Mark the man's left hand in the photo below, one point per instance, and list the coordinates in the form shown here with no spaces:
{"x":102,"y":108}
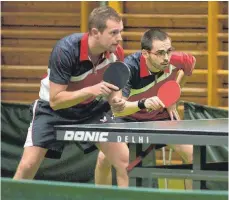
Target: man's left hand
{"x":117,"y":104}
{"x":172,"y":110}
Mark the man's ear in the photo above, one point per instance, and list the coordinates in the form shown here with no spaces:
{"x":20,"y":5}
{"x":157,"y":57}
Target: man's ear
{"x":145,"y":54}
{"x":95,"y":32}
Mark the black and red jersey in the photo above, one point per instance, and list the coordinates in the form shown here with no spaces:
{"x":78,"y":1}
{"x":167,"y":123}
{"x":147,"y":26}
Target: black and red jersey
{"x":144,"y":84}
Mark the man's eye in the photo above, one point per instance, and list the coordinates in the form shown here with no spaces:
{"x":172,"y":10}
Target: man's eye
{"x":114,"y":32}
{"x":169,"y":51}
{"x":161,"y":53}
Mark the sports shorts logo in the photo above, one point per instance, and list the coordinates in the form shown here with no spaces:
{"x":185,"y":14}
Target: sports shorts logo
{"x":86,"y":136}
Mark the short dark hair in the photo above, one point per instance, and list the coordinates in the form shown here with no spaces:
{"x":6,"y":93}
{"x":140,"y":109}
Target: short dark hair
{"x":150,"y":35}
{"x":99,"y":16}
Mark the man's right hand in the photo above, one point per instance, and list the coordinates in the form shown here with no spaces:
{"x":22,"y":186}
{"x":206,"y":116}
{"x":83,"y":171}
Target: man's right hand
{"x":103,"y":89}
{"x":153,"y":103}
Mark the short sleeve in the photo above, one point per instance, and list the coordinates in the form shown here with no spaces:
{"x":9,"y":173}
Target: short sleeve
{"x":127,"y":89}
{"x":60,"y":65}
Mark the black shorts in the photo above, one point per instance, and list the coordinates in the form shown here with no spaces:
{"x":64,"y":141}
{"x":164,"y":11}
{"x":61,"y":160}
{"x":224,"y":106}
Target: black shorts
{"x":41,"y":131}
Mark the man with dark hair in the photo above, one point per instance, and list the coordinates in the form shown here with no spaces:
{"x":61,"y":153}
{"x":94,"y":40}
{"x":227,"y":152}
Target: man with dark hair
{"x":73,"y":92}
{"x":156,"y":64}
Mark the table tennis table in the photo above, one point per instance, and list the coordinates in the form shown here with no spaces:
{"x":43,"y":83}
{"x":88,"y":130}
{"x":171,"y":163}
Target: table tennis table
{"x":199,"y":133}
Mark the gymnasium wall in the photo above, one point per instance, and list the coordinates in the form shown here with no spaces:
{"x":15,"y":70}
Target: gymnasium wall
{"x":30,"y":30}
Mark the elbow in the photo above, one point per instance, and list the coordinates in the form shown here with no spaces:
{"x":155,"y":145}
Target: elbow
{"x":53,"y":105}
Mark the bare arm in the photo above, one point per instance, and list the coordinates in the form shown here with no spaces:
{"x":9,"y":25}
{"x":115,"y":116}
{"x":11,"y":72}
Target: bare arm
{"x":60,"y":98}
{"x":153,"y":103}
{"x":186,"y":63}
{"x":181,"y":78}
{"x":130,"y":108}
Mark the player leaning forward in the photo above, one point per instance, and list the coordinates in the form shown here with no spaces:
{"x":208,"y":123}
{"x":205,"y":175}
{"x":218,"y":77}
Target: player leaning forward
{"x":156,"y":64}
{"x":73,"y":91}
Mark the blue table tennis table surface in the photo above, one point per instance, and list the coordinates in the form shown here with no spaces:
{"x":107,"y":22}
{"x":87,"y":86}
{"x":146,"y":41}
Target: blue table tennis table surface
{"x":203,"y":126}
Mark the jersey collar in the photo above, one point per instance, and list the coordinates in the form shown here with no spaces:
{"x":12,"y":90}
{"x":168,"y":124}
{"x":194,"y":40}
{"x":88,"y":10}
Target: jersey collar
{"x":84,"y":49}
{"x":144,"y":69}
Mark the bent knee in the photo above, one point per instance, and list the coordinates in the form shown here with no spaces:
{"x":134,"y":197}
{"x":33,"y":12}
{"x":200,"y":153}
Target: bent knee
{"x":122,"y":162}
{"x":121,"y":165}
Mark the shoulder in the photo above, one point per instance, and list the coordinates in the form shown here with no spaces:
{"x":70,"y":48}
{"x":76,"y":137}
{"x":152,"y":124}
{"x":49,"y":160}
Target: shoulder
{"x":67,"y":49}
{"x":133,"y":60}
{"x":70,"y":43}
{"x":70,"y":40}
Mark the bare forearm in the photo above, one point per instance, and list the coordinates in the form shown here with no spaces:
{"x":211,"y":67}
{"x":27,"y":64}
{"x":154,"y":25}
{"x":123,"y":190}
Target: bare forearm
{"x":181,"y":78}
{"x":66,"y":99}
{"x":130,"y":108}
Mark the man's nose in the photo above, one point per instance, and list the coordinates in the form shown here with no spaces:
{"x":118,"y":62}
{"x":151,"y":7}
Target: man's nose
{"x":166,"y":57}
{"x":119,"y":37}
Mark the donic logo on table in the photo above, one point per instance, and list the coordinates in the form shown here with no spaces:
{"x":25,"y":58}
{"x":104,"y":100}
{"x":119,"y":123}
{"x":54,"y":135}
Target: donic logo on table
{"x":86,"y":136}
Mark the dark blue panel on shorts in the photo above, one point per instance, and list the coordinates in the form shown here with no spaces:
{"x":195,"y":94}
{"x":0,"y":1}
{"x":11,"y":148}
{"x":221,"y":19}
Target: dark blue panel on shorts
{"x":45,"y":118}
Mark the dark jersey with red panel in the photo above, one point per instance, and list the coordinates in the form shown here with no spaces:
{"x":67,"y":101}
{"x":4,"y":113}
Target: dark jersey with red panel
{"x":70,"y":65}
{"x":144,"y":84}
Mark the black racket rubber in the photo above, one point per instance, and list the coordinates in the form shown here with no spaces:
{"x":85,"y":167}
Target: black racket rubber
{"x":117,"y":74}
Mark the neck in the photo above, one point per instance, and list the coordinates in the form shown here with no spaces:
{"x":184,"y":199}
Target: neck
{"x":93,"y":48}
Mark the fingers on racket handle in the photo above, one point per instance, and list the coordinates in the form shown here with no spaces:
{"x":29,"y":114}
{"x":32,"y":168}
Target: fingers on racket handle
{"x":161,"y":103}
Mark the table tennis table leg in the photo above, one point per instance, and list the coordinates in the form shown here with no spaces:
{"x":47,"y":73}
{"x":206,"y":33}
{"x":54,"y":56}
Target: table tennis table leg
{"x":137,"y":152}
{"x":114,"y":179}
{"x":152,"y":181}
{"x":199,"y":161}
{"x":133,"y":153}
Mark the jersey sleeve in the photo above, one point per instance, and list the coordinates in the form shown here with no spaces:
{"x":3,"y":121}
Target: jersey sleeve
{"x":60,"y":65}
{"x":127,"y":89}
{"x":183,"y":61}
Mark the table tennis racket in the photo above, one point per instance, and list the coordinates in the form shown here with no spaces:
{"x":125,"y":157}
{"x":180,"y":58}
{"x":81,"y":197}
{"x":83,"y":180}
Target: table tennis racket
{"x":117,"y":74}
{"x":169,"y":93}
